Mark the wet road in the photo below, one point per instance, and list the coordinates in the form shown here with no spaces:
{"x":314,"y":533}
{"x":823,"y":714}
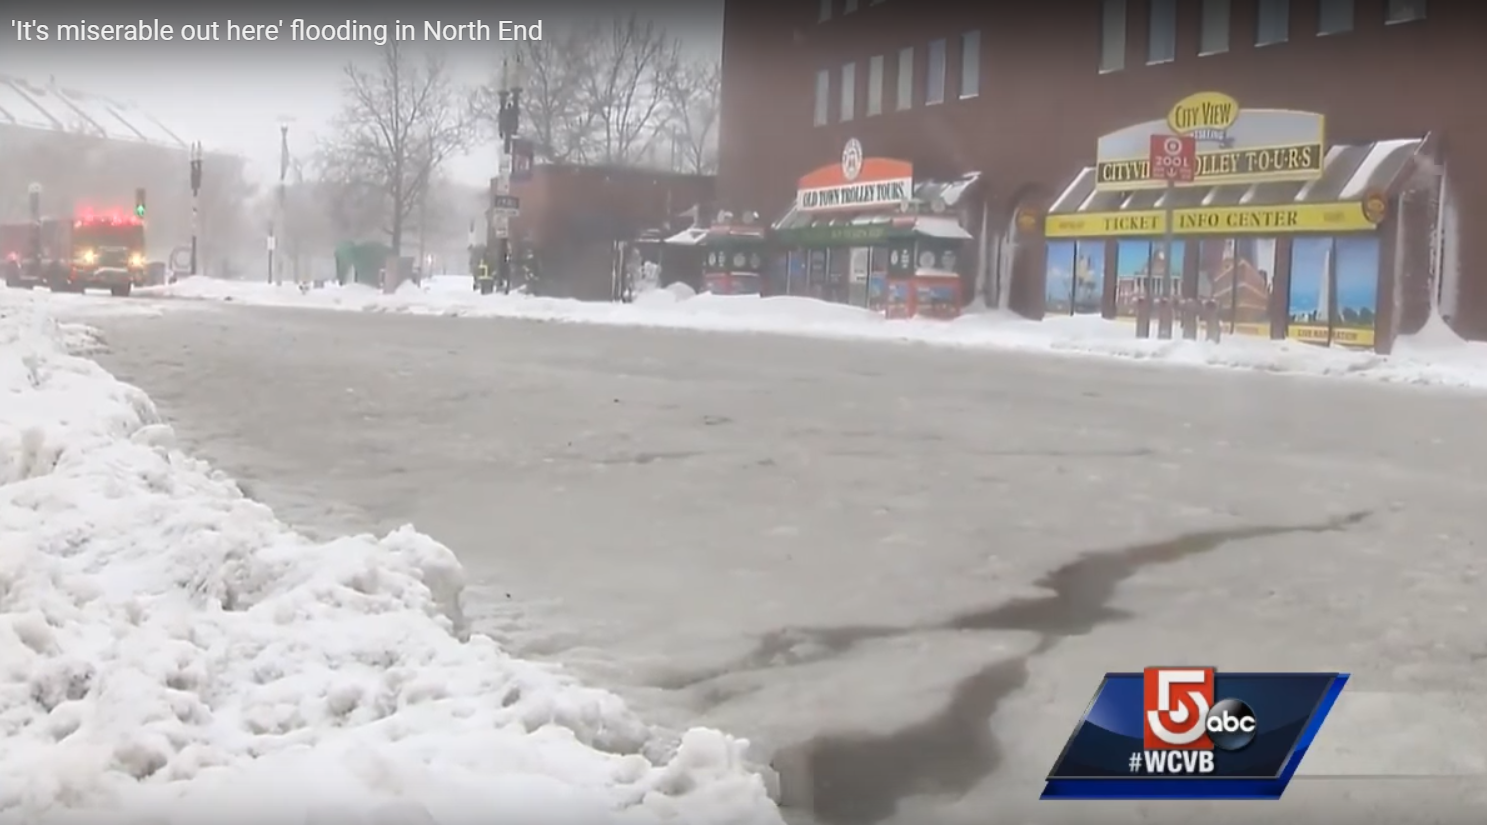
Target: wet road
{"x":900,"y":569}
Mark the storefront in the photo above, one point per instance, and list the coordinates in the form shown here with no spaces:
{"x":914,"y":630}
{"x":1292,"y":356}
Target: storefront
{"x":862,"y":232}
{"x":1285,"y":236}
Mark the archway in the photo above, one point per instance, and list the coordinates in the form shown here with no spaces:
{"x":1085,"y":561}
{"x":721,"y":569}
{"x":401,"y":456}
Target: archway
{"x":1013,"y":249}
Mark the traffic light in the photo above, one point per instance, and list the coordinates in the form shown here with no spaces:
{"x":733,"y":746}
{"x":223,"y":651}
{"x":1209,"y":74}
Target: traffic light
{"x":139,"y":203}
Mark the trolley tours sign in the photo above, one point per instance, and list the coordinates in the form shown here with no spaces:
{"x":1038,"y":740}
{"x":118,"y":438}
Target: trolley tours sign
{"x":856,"y":182}
{"x":1235,"y":145}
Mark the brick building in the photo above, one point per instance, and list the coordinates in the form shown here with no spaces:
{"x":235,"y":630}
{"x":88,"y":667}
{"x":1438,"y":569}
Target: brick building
{"x":1024,"y":95}
{"x":575,"y":215}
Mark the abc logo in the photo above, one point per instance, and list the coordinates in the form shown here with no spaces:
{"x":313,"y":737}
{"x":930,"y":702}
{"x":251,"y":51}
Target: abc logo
{"x":1231,"y":725}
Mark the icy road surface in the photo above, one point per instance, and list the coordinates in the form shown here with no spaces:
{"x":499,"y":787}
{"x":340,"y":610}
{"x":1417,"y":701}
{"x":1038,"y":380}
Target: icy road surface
{"x":904,"y":568}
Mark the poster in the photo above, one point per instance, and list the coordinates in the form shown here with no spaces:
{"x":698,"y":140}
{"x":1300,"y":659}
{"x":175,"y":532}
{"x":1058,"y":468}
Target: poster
{"x":1239,"y":271}
{"x":1089,"y":277}
{"x":1356,"y":275}
{"x":1132,"y":259}
{"x":1311,"y":302}
{"x":1058,"y":297}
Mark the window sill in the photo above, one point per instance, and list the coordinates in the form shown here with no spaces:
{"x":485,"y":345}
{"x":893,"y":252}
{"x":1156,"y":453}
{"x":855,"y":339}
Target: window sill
{"x":1334,"y":32}
{"x":1112,"y":71}
{"x":934,"y":103}
{"x":1164,"y":60}
{"x":971,"y":96}
{"x":1214,"y":52}
{"x":1259,"y":45}
{"x":1404,"y":20}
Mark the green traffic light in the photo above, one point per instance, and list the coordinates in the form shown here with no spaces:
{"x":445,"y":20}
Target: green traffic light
{"x":140,"y":210}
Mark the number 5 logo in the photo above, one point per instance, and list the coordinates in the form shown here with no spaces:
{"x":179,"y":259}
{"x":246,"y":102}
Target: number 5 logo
{"x":1176,"y":703}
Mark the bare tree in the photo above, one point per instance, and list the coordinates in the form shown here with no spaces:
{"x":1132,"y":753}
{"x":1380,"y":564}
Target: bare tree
{"x":594,"y":93}
{"x":693,"y":105}
{"x":399,"y":123}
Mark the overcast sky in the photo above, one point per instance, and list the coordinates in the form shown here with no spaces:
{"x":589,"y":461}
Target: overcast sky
{"x":233,"y":96}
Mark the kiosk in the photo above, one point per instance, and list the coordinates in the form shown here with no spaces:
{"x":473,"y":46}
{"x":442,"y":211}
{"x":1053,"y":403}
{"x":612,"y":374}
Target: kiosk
{"x":862,"y":232}
{"x":732,"y":255}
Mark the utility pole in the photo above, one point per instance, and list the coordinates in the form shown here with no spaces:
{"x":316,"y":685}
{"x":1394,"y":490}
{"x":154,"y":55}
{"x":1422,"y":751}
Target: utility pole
{"x":508,"y":121}
{"x":195,"y":200}
{"x":276,"y":267}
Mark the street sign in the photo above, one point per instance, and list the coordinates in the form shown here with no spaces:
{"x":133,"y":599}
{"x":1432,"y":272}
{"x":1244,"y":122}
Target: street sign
{"x":1173,"y":158}
{"x":505,"y":204}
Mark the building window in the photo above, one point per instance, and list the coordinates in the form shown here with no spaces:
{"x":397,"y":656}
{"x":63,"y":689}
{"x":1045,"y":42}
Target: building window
{"x":823,"y":96}
{"x":1404,"y":11}
{"x":905,"y":78}
{"x":1113,"y":36}
{"x":934,"y":86}
{"x":1161,"y":45}
{"x":875,"y":2}
{"x":849,"y":92}
{"x":849,"y":6}
{"x":1213,"y":38}
{"x":1274,"y":22}
{"x":970,"y":64}
{"x":1335,"y":17}
{"x":875,"y":86}
{"x":825,"y":10}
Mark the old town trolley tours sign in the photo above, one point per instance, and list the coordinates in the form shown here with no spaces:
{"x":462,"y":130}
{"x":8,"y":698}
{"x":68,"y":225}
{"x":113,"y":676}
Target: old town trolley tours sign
{"x":1256,"y":235}
{"x":856,"y":183}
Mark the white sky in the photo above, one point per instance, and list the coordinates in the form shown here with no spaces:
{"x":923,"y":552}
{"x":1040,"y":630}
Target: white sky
{"x":237,"y":104}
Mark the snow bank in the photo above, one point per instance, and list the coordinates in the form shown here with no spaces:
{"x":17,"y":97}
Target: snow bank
{"x":169,"y":649}
{"x":1433,"y":358}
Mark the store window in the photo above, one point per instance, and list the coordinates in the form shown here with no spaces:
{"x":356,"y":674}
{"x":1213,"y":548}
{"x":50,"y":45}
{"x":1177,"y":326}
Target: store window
{"x":1161,"y":41}
{"x":1113,"y":36}
{"x":1335,"y":17}
{"x":970,"y":64}
{"x":934,"y":90}
{"x":1075,"y":277}
{"x":1404,"y":11}
{"x":905,"y":78}
{"x":849,"y":92}
{"x":1273,"y":24}
{"x":1213,"y":37}
{"x":823,"y":97}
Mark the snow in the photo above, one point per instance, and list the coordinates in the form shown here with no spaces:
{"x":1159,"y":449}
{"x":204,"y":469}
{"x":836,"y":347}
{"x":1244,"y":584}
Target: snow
{"x":168,"y":648}
{"x":1427,"y":361}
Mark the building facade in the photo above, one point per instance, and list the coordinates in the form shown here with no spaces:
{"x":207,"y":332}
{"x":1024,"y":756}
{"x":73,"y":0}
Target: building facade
{"x":1026,"y":95}
{"x":575,"y":217}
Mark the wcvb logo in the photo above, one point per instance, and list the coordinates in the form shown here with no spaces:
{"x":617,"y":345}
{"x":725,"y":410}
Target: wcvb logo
{"x":1176,"y":702}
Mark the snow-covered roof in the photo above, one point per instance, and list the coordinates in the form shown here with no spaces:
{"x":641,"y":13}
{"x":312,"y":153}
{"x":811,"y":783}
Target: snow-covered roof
{"x":53,"y":107}
{"x":690,"y":236}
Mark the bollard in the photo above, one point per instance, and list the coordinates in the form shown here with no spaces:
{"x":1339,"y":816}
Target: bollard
{"x":1143,"y":317}
{"x":1212,"y":328}
{"x":1189,"y":319}
{"x":1164,"y":318}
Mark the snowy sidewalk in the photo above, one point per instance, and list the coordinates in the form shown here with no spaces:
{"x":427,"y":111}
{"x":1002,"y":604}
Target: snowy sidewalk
{"x":1436,"y":357}
{"x":168,"y":648}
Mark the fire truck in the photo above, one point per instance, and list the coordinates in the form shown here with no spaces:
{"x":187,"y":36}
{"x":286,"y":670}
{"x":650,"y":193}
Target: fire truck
{"x":87,"y":252}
